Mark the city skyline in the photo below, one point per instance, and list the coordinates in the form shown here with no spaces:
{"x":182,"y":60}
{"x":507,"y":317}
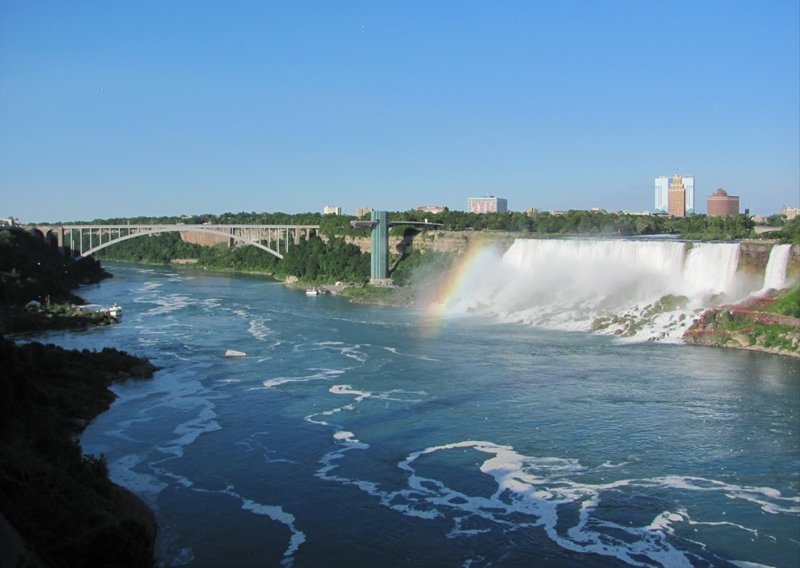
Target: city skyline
{"x":158,"y":109}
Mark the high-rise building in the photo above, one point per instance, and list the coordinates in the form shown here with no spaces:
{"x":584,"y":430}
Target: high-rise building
{"x":720,"y":204}
{"x":662,"y":187}
{"x":331,"y":210}
{"x":487,"y":204}
{"x":674,"y":195}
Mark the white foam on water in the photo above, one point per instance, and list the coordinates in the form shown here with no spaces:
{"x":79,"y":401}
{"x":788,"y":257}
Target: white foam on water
{"x":273,"y":512}
{"x":540,"y":489}
{"x":318,"y":375}
{"x":145,"y":485}
{"x":170,"y":303}
{"x":259,"y":329}
{"x":610,"y":465}
{"x":348,"y":390}
{"x":192,"y":429}
{"x":354,"y":352}
{"x":276,"y":513}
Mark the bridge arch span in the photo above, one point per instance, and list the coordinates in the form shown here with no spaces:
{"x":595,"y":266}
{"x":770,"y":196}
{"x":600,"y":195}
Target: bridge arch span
{"x":179,"y":229}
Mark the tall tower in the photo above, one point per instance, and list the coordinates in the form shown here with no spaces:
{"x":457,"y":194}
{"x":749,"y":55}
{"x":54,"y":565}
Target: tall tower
{"x":677,"y":197}
{"x":380,"y":246}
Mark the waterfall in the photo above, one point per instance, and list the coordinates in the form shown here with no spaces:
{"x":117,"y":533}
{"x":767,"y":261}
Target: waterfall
{"x":641,"y":289}
{"x":712,"y":266}
{"x":777,"y":267}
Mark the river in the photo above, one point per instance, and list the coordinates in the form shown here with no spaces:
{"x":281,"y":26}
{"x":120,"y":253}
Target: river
{"x":356,"y":435}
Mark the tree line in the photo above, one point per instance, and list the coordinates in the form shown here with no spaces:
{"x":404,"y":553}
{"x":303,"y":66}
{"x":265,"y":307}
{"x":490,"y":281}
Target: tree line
{"x":312,"y":260}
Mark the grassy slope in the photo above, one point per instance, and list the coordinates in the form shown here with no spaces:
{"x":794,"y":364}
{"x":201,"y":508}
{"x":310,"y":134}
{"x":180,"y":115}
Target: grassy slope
{"x":773,"y":328}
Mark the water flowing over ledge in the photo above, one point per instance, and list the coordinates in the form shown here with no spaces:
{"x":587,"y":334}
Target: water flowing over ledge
{"x":637,"y":289}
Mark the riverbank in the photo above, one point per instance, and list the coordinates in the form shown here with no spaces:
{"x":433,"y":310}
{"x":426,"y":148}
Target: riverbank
{"x":58,"y":507}
{"x":19,"y":319}
{"x":61,"y":503}
{"x":766,"y":325}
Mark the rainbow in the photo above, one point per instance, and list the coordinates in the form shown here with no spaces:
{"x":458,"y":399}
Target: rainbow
{"x":462,"y":277}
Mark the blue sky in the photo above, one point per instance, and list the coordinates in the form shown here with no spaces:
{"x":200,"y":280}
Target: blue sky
{"x":169,"y":107}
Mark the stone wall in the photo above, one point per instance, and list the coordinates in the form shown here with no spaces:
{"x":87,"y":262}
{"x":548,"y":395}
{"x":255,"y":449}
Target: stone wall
{"x":753,"y":256}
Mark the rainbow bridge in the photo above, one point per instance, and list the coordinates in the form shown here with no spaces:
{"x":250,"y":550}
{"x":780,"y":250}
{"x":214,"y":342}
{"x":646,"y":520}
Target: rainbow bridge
{"x":85,"y":240}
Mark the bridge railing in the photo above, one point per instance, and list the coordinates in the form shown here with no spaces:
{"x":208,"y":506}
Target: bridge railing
{"x":86,"y":239}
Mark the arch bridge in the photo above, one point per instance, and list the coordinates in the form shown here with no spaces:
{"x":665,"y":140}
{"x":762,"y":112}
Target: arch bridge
{"x":88,"y":239}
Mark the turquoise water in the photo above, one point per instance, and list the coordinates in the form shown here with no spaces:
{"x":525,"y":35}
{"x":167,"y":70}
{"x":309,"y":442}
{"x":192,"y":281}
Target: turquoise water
{"x":365,"y":436}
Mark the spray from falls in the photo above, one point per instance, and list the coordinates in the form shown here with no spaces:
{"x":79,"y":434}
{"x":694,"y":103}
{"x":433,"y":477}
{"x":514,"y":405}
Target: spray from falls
{"x":638,"y":289}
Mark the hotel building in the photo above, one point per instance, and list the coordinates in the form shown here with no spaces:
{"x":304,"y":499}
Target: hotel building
{"x":487,"y":204}
{"x":721,"y":204}
{"x":790,"y":212}
{"x":674,"y":195}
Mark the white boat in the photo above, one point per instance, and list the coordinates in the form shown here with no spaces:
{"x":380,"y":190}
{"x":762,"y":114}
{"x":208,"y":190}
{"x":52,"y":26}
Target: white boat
{"x":313,"y":292}
{"x":234,"y":353}
{"x":114,"y":311}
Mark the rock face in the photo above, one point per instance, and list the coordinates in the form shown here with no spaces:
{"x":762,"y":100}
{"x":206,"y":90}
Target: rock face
{"x":204,"y":239}
{"x":746,"y":327}
{"x":441,"y":241}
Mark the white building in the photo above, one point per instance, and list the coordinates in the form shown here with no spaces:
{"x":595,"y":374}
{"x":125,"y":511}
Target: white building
{"x":688,"y":186}
{"x":331,"y":210}
{"x":487,"y":204}
{"x":790,"y":212}
{"x":662,"y":191}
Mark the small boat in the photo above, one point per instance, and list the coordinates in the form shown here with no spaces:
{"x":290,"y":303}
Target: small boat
{"x":114,"y":311}
{"x":234,"y":353}
{"x":313,"y":292}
